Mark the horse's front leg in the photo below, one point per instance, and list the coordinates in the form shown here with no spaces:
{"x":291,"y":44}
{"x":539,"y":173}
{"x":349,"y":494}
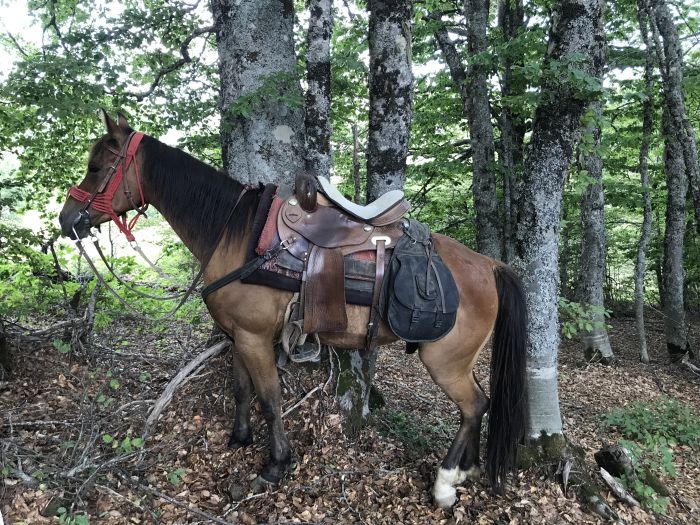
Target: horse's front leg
{"x":241,"y":435}
{"x":258,"y":356}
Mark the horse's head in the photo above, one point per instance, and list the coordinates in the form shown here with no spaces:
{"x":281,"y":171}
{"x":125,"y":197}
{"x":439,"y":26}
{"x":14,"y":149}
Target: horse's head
{"x":111,"y":186}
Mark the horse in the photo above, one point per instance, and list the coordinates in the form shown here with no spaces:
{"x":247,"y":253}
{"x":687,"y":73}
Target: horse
{"x":211,"y":213}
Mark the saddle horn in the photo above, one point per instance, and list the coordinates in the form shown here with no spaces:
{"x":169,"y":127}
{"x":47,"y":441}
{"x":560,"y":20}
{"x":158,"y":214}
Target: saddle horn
{"x":305,"y":190}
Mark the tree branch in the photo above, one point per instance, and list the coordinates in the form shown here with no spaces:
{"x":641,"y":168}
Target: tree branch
{"x":186,"y":58}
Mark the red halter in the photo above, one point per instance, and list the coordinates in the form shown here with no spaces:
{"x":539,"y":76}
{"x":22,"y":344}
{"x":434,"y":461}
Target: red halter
{"x":101,"y":198}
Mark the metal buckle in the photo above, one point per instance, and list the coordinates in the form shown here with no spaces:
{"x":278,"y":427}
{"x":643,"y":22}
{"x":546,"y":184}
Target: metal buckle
{"x":286,"y":243}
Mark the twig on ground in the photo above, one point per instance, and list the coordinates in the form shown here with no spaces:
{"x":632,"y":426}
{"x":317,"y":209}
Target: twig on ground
{"x":301,"y":402}
{"x":189,"y":507}
{"x":618,"y":489}
{"x":180,"y":379}
{"x":690,"y":366}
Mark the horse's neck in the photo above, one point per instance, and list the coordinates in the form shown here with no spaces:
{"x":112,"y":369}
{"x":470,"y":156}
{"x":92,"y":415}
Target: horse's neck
{"x":153,"y":195}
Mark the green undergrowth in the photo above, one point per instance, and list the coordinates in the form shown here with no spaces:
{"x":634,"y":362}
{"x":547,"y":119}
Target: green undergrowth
{"x":419,"y":437}
{"x":651,"y":432}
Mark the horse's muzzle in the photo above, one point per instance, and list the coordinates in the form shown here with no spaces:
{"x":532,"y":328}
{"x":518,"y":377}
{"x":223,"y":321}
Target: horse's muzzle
{"x":77,"y":226}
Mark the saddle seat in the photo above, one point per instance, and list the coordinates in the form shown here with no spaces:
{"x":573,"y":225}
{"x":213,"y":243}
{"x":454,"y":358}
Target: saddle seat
{"x":387,"y":208}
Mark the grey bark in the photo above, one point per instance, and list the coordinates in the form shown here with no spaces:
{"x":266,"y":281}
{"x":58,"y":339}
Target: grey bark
{"x":357,"y":183}
{"x":511,"y":21}
{"x":556,"y":130}
{"x":645,"y":234}
{"x":390,"y":99}
{"x":488,"y":228}
{"x":674,"y":236}
{"x":262,"y":134}
{"x":473,"y":90}
{"x":318,"y":95}
{"x":5,"y":356}
{"x":354,"y":387}
{"x":592,"y":269}
{"x":592,"y":274}
{"x":390,"y":95}
{"x":670,"y":56}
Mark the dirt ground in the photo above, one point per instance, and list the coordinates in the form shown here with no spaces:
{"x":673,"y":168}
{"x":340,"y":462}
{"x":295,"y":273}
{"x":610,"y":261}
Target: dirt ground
{"x":65,"y":419}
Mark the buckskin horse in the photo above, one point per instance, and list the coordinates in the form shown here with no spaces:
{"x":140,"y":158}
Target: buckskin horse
{"x":212,"y":213}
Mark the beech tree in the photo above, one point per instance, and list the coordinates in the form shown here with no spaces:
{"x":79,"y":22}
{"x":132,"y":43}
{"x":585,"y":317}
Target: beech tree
{"x":511,"y":22}
{"x":488,"y":223}
{"x":645,"y":234}
{"x":262,"y":135}
{"x":318,"y":95}
{"x":390,"y":95}
{"x":556,"y":131}
{"x":670,"y":57}
{"x":472,"y":85}
{"x":592,"y":274}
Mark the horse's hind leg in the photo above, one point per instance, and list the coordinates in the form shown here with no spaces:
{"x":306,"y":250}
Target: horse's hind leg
{"x":451,"y":371}
{"x":241,"y":435}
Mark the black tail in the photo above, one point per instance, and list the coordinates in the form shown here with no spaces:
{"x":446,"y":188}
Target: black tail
{"x":508,"y":409}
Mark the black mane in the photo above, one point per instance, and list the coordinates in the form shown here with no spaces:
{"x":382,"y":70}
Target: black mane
{"x":197,"y":196}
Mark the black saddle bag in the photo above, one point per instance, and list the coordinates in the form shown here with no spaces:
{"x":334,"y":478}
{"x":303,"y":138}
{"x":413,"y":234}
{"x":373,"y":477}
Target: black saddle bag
{"x":420,"y":297}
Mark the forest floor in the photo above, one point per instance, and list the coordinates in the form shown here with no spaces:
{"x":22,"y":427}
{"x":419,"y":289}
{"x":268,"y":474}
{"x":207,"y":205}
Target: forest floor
{"x":64,"y":420}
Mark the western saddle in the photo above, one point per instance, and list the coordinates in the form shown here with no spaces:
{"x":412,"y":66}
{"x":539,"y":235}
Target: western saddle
{"x":320,"y":230}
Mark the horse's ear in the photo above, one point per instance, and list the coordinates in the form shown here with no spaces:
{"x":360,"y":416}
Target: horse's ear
{"x":121,"y":121}
{"x":110,"y":126}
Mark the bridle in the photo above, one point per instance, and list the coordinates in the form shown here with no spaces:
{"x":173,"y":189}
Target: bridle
{"x":101,"y":198}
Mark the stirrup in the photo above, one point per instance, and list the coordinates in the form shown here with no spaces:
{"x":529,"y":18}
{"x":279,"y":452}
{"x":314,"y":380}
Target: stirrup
{"x":307,"y":351}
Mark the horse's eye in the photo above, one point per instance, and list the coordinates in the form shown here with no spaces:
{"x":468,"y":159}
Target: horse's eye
{"x":92,"y":168}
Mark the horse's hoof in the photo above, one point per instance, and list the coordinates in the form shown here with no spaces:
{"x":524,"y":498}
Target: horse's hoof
{"x":260,"y":484}
{"x":444,"y":492}
{"x":235,"y":443}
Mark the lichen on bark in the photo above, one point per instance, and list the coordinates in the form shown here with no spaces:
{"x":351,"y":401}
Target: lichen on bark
{"x":262,"y":132}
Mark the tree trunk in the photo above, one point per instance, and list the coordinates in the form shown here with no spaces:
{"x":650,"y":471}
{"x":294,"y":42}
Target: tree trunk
{"x":565,"y":288}
{"x":511,"y":21}
{"x":474,"y":93}
{"x":488,"y":230}
{"x":390,"y":95}
{"x":555,"y":132}
{"x":354,"y":387}
{"x":5,"y":357}
{"x":645,"y":235}
{"x":318,"y":95}
{"x":262,"y":124}
{"x":674,"y":236}
{"x":670,"y":56}
{"x":390,"y":98}
{"x":592,"y":276}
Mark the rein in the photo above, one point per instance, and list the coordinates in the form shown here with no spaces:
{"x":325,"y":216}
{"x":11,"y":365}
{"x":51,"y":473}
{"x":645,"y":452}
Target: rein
{"x":101,"y":198}
{"x":205,"y":262}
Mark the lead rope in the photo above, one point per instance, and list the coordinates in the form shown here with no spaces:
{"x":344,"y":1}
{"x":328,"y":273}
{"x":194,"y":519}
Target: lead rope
{"x":128,"y":286}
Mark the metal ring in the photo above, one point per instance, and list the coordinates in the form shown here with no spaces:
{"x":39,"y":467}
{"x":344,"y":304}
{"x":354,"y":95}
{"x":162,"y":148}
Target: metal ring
{"x":376,"y":238}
